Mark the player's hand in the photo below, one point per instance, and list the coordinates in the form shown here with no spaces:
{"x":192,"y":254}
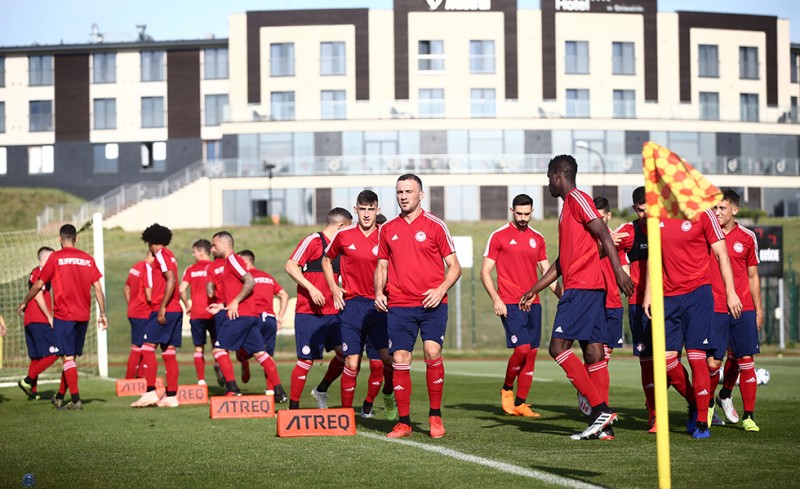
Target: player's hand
{"x":381,"y":303}
{"x":624,"y":281}
{"x":500,"y":308}
{"x":279,"y":323}
{"x":233,"y":309}
{"x":215,"y":308}
{"x":759,"y":319}
{"x":526,"y":300}
{"x":102,"y":322}
{"x":21,"y":310}
{"x":734,"y":306}
{"x":316,"y":296}
{"x":646,"y":306}
{"x":162,"y":316}
{"x":50,"y":321}
{"x":432,"y":298}
{"x":338,"y":298}
{"x":617,"y":237}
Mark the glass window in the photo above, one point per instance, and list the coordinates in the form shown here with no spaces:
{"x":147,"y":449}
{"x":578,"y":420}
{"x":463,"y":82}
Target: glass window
{"x":709,"y":106}
{"x":282,"y":106}
{"x":748,"y":63}
{"x":40,"y":160}
{"x":281,"y":59}
{"x":216,"y":109}
{"x":431,"y":102}
{"x":152,"y":65}
{"x":2,"y":71}
{"x":3,"y":161}
{"x":154,"y":156}
{"x":40,"y":70}
{"x":577,"y":57}
{"x":748,"y":107}
{"x":106,"y":158}
{"x":152,"y":112}
{"x":41,"y":115}
{"x":2,"y":117}
{"x":104,"y":68}
{"x":624,"y":58}
{"x":482,"y":102}
{"x":105,"y":113}
{"x":624,"y":104}
{"x":332,"y":58}
{"x":430,"y":56}
{"x":215,"y":64}
{"x":708,"y":61}
{"x":481,"y":57}
{"x":333,"y":104}
{"x":577,"y":102}
{"x":793,"y":67}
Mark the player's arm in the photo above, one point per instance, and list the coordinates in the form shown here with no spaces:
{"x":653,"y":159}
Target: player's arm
{"x":755,"y":290}
{"x":43,"y":306}
{"x":283,"y":297}
{"x":547,"y":278}
{"x":2,"y":325}
{"x":600,"y":231}
{"x":183,"y":290}
{"x":295,"y":272}
{"x":330,"y":277}
{"x":126,"y":292}
{"x":169,"y":291}
{"x":555,"y":286}
{"x":381,"y":275}
{"x":248,"y":282}
{"x":102,"y":322}
{"x":721,"y":253}
{"x":486,"y":279}
{"x":35,"y":289}
{"x":433,"y":297}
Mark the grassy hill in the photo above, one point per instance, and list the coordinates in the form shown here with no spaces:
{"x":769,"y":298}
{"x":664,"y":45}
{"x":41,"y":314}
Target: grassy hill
{"x":21,"y":205}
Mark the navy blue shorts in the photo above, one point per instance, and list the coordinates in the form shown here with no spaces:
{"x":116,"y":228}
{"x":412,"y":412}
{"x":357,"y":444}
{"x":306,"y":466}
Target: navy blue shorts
{"x":743,"y":335}
{"x":220,"y":318}
{"x":581,"y":315}
{"x":269,"y":328}
{"x":688,"y":318}
{"x":406,"y":323}
{"x":313,"y":332}
{"x":242,"y":332}
{"x":614,"y":327}
{"x":523,"y":328}
{"x":718,"y":335}
{"x":199,"y":328}
{"x":167,"y":334}
{"x":360,"y":320}
{"x":641,"y":334}
{"x":372,"y":352}
{"x":70,"y":336}
{"x":138,"y":327}
{"x":41,"y":340}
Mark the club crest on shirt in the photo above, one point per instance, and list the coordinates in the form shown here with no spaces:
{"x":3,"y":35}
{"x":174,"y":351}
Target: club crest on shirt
{"x":532,"y":242}
{"x":420,"y":236}
{"x":686,"y":226}
{"x":375,"y":250}
{"x":738,"y":247}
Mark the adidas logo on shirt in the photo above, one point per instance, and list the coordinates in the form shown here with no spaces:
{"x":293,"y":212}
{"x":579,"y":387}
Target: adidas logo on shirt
{"x":513,"y":241}
{"x":559,"y":330}
{"x":395,"y":238}
{"x":351,"y":247}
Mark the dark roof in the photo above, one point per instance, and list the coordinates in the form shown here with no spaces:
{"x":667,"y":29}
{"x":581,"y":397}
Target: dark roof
{"x":115,"y":46}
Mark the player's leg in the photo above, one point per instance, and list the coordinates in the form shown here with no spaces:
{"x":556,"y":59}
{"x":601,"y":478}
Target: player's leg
{"x":218,"y":320}
{"x":433,"y":326}
{"x":698,"y":318}
{"x":531,"y":334}
{"x":744,"y":342}
{"x":718,"y":336}
{"x":41,"y":343}
{"x":243,"y":358}
{"x":677,"y":375}
{"x":377,"y":347}
{"x":730,"y":376}
{"x":198,"y":327}
{"x":169,"y":346}
{"x":403,"y":330}
{"x":69,"y":338}
{"x":642,"y":348}
{"x":517,"y":338}
{"x":253,"y":345}
{"x":309,"y":347}
{"x":332,"y":333}
{"x":268,"y":329}
{"x":149,"y":362}
{"x":138,"y":326}
{"x":375,"y":378}
{"x":353,"y":329}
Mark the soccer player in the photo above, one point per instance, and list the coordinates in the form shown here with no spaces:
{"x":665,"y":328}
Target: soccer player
{"x":316,"y":323}
{"x":138,"y":311}
{"x":520,"y":255}
{"x":166,"y":318}
{"x":73,"y":274}
{"x":38,"y":323}
{"x":580,"y":314}
{"x":740,"y":333}
{"x":214,"y":292}
{"x":356,"y":248}
{"x":377,"y":371}
{"x":192,"y":290}
{"x":265,"y":288}
{"x":411,"y":285}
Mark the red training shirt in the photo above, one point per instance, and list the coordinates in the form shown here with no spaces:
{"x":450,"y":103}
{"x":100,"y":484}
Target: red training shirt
{"x":517,"y":255}
{"x":742,"y":247}
{"x":577,"y":247}
{"x":685,"y":246}
{"x":138,"y":308}
{"x":638,"y":267}
{"x":359,"y":257}
{"x":196,"y":276}
{"x":157,"y":281}
{"x":33,"y":313}
{"x":214,"y":275}
{"x":613,"y":298}
{"x":71,"y":272}
{"x":264,"y":291}
{"x":235,"y":269}
{"x":310,"y":249}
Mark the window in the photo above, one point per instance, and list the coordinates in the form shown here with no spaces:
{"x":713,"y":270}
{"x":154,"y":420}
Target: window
{"x":106,"y":158}
{"x":40,"y":70}
{"x":577,"y":102}
{"x":482,"y":102}
{"x":104,"y":68}
{"x":333,"y":105}
{"x":748,"y":63}
{"x":430,"y":56}
{"x":332,"y":58}
{"x":152,"y":65}
{"x":624,"y":104}
{"x":481,"y":56}
{"x":281,"y":59}
{"x":431,"y":102}
{"x":41,"y":115}
{"x":2,"y":117}
{"x":105,"y":113}
{"x":40,"y":160}
{"x":216,"y":109}
{"x":215,"y":64}
{"x":154,"y":156}
{"x":624,"y":58}
{"x":748,"y":107}
{"x":152,"y":112}
{"x":3,"y":161}
{"x":708,"y":61}
{"x":709,"y":106}
{"x":282,"y":105}
{"x":577,"y":57}
{"x":212,"y":150}
{"x":2,"y":71}
{"x":793,"y":66}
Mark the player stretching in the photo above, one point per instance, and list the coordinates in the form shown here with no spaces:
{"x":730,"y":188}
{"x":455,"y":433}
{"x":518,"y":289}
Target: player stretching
{"x":138,"y":311}
{"x":72,"y":274}
{"x":520,"y":254}
{"x":411,"y":284}
{"x":195,"y":299}
{"x":581,"y":314}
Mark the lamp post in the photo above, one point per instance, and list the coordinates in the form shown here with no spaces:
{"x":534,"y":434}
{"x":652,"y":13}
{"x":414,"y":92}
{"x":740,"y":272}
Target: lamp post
{"x":268,"y":167}
{"x":587,"y":147}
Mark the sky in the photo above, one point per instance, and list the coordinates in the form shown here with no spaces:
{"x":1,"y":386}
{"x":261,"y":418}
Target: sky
{"x":27,"y":22}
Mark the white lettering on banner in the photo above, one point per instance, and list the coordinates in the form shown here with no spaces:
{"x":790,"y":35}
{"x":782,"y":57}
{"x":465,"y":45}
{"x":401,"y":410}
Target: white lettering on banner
{"x":460,"y":4}
{"x":83,"y":262}
{"x":573,"y":5}
{"x":769,"y":255}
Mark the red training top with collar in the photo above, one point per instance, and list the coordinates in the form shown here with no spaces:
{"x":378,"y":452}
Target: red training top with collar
{"x":415,"y":251}
{"x":71,"y":273}
{"x":264,"y":291}
{"x":309,"y":250}
{"x":742,"y":247}
{"x":33,"y":313}
{"x":196,"y":277}
{"x":214,"y":275}
{"x":634,"y":251}
{"x":613,"y":298}
{"x":685,"y":246}
{"x":577,"y":247}
{"x":235,"y":269}
{"x":157,"y":280}
{"x":359,"y":257}
{"x":516,"y":255}
{"x":138,"y":308}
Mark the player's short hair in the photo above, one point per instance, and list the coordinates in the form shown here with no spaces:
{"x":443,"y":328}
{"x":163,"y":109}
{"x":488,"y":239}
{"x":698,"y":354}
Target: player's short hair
{"x":380,"y":219}
{"x":248,"y":255}
{"x":68,"y":232}
{"x":566,"y":165}
{"x":367,"y":197}
{"x":410,"y":176}
{"x":338,"y":214}
{"x":203,"y":244}
{"x":638,"y":196}
{"x":731,"y":196}
{"x":157,"y":234}
{"x":601,"y":203}
{"x":43,"y":250}
{"x":225,"y":236}
{"x":523,"y":200}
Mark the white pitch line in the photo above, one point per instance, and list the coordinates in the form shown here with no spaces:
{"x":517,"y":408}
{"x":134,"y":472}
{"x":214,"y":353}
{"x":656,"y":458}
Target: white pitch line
{"x":476,"y":374}
{"x":41,"y":382}
{"x":493,"y":464}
